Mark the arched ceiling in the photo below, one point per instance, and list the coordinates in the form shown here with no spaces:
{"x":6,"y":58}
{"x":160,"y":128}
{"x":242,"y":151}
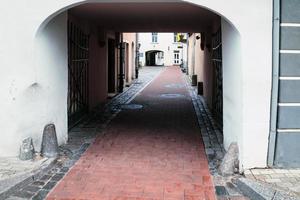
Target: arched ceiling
{"x":147,"y":17}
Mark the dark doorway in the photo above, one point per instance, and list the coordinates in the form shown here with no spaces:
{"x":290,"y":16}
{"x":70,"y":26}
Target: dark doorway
{"x":111,"y":66}
{"x":150,"y":58}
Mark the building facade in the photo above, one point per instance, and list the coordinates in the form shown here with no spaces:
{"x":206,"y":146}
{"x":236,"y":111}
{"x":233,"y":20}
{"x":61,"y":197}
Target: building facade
{"x":259,"y":71}
{"x":161,"y":49}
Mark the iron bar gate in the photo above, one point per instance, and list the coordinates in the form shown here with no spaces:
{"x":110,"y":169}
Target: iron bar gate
{"x":218,"y":76}
{"x":78,"y":64}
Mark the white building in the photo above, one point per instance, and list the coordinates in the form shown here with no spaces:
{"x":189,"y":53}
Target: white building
{"x":161,"y":49}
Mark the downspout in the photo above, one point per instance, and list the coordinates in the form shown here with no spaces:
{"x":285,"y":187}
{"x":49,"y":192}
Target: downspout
{"x":137,"y":58}
{"x":121,"y":75}
{"x":275,"y":84}
{"x":187,"y":53}
{"x":193,"y":55}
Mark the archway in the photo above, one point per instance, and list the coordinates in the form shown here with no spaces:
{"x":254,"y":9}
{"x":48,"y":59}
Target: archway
{"x":233,"y":78}
{"x":154,"y":58}
{"x":99,"y":31}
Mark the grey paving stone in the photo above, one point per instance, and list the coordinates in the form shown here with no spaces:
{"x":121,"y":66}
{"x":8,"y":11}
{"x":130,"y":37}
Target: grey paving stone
{"x":49,"y":185}
{"x":23,"y":194}
{"x":38,"y":183}
{"x":15,"y":198}
{"x":221,"y":191}
{"x":45,"y":177}
{"x":57,"y":177}
{"x":31,"y":189}
{"x":64,"y":169}
{"x":40,"y":195}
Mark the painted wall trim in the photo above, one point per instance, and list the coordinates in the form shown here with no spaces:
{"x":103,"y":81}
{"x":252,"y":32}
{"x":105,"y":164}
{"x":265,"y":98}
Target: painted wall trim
{"x":289,"y":51}
{"x":288,"y":104}
{"x":290,"y":78}
{"x":290,"y":25}
{"x":294,"y":130}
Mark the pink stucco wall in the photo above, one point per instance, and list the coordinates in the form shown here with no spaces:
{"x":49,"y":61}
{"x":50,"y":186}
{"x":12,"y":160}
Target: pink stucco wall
{"x":130,"y":40}
{"x":202,"y":63}
{"x":97,"y":71}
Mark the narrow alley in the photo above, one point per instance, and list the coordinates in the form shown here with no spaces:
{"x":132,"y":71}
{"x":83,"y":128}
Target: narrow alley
{"x":154,"y":151}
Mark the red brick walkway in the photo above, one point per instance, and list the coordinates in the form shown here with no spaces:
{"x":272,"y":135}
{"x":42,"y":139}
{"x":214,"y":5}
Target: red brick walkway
{"x":153,"y":153}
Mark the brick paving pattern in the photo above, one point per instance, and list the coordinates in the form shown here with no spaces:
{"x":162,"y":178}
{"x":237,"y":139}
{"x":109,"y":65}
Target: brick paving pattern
{"x":151,"y":153}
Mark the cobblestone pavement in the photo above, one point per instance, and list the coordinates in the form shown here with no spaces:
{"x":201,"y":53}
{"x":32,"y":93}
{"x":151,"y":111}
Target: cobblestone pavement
{"x":81,"y":136}
{"x":213,"y":142}
{"x":155,"y":152}
{"x":288,"y":180}
{"x":13,"y":170}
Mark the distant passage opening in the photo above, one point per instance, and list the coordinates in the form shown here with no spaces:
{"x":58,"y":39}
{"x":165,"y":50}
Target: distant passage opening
{"x":154,"y":58}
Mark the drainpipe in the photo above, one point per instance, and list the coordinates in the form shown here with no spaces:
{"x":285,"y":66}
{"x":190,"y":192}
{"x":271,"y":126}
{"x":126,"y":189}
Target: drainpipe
{"x":121,"y":75}
{"x":187,"y":53}
{"x":137,"y":56}
{"x":193,"y":55}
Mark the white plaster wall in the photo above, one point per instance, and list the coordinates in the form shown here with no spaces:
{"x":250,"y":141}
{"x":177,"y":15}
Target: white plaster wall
{"x":232,"y":85}
{"x":164,"y":43}
{"x":256,"y":62}
{"x":52,"y":76}
{"x":252,"y":19}
{"x":34,"y":85}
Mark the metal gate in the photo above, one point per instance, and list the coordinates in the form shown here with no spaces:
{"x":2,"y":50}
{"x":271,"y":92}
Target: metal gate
{"x":218,"y":77}
{"x":78,"y":63}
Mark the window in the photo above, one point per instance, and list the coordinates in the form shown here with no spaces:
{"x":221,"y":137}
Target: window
{"x":160,"y":55}
{"x":154,"y":37}
{"x":175,"y":37}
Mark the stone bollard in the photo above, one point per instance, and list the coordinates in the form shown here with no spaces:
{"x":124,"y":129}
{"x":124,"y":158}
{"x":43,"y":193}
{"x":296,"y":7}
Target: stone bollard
{"x":49,"y":142}
{"x":230,"y":162}
{"x":26,"y":150}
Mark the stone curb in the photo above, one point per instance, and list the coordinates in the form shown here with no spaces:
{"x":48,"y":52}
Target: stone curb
{"x":261,"y":191}
{"x":34,"y":175}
